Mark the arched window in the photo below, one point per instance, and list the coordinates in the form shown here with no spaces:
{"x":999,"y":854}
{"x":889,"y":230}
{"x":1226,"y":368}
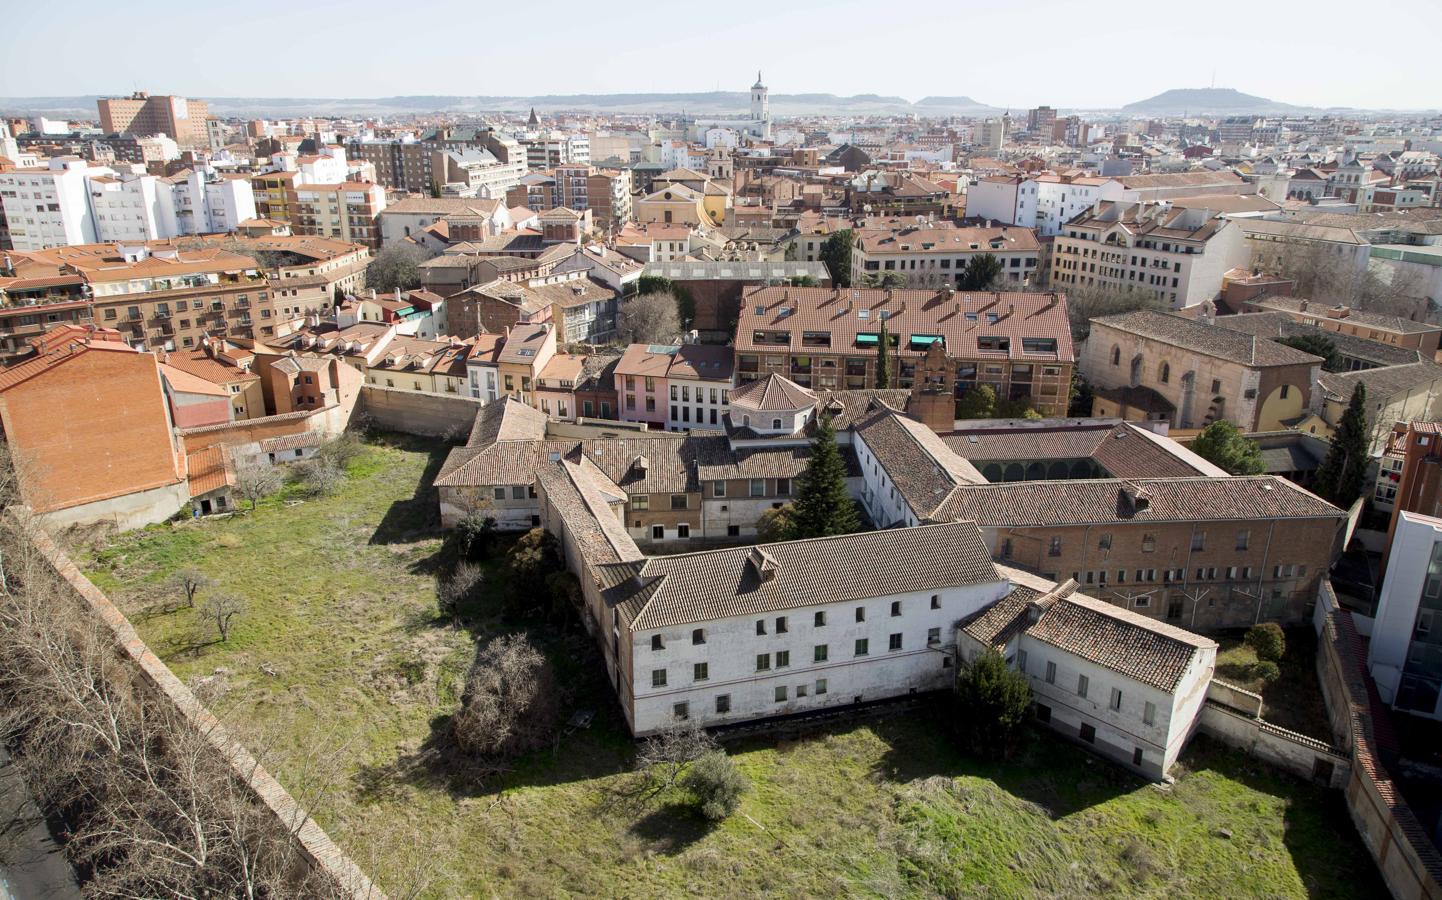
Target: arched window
{"x":776,"y":423}
{"x":746,"y":421}
{"x":1166,"y":373}
{"x":1116,"y":355}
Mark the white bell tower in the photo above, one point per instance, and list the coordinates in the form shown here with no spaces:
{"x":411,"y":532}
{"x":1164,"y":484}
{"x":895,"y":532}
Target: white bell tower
{"x":760,"y":108}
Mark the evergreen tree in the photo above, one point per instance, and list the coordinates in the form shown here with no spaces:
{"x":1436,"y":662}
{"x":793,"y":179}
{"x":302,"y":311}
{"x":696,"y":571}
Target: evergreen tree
{"x":991,"y":704}
{"x":1222,"y":444}
{"x":981,"y":273}
{"x":883,"y":361}
{"x":1339,"y":479}
{"x":836,"y":253}
{"x":1317,"y":345}
{"x":823,"y":507}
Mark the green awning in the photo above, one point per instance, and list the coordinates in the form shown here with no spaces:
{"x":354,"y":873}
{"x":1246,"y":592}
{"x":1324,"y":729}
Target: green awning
{"x":868,"y":340}
{"x":924,"y":340}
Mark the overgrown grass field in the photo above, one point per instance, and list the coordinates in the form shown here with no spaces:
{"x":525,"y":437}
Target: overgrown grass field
{"x":341,"y":675}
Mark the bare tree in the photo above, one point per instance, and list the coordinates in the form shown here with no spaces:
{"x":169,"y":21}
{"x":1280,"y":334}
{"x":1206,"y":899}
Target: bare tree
{"x":221,"y":610}
{"x":189,"y":582}
{"x":511,"y":703}
{"x":454,"y":590}
{"x":320,"y":475}
{"x":1087,"y":303}
{"x":652,"y":318}
{"x":396,"y":268}
{"x":663,"y":757}
{"x":255,"y":481}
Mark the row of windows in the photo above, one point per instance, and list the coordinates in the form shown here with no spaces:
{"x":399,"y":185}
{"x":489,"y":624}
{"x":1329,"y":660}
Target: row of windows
{"x":1083,"y":688}
{"x":782,"y":624}
{"x":1149,"y":542}
{"x":1171,"y":576}
{"x":781,"y":659}
{"x":682,"y":710}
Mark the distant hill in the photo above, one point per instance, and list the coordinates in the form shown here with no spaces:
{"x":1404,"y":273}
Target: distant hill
{"x":1208,"y":101}
{"x":702,"y":104}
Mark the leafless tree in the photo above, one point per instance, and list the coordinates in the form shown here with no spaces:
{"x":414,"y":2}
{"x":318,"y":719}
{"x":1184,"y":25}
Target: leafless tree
{"x":652,"y":318}
{"x":663,"y":757}
{"x":254,"y":481}
{"x":396,"y":267}
{"x":320,"y":475}
{"x":1087,"y":303}
{"x":221,"y":610}
{"x":512,"y":702}
{"x":455,"y":589}
{"x":188,"y":583}
{"x":342,"y":449}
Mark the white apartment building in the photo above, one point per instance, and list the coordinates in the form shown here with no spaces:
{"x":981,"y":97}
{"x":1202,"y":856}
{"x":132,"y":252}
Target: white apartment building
{"x":1042,"y":202}
{"x":1405,"y":652}
{"x":547,"y":151}
{"x":1009,"y":199}
{"x":1127,"y":686}
{"x":793,"y":627}
{"x":699,"y":379}
{"x":1178,"y":254}
{"x":476,"y":172}
{"x":49,"y":205}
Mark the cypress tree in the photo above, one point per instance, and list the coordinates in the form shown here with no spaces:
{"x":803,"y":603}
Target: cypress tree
{"x":823,"y":507}
{"x":883,"y":361}
{"x":1339,"y":479}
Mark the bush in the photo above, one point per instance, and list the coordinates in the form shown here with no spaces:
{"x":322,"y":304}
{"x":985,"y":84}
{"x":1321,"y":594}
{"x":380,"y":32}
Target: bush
{"x":717,"y":785}
{"x":992,"y":703}
{"x":459,"y":589}
{"x":1267,"y":641}
{"x":536,"y":555}
{"x":475,"y":535}
{"x":320,"y":475}
{"x":1266,"y":671}
{"x":511,"y":704}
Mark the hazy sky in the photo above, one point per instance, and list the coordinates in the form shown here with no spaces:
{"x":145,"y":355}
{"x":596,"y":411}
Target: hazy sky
{"x":1324,"y":53}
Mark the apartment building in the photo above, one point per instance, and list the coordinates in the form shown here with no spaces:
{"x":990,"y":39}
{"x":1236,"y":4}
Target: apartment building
{"x":525,"y":353}
{"x":1404,"y":653}
{"x":464,"y":219}
{"x":937,"y":257}
{"x":49,"y":205}
{"x":409,"y":161}
{"x":1180,"y":255}
{"x":606,"y":193}
{"x":140,"y":113}
{"x":548,"y":151}
{"x":1424,"y":337}
{"x":472,"y":172}
{"x":676,"y":388}
{"x":1018,"y":343}
{"x":346,"y":211}
{"x":1043,"y":202}
{"x":1153,"y":366}
{"x":1127,"y":686}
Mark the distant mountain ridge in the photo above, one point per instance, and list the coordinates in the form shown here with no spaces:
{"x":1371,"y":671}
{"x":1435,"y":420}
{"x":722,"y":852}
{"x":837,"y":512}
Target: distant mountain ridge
{"x":703,"y":104}
{"x":1209,"y":101}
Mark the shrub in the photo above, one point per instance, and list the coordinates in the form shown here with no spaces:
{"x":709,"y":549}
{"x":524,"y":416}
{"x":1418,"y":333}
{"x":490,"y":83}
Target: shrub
{"x":320,"y":475}
{"x":717,"y":784}
{"x":536,"y":555}
{"x":475,"y":535}
{"x":1266,"y":671}
{"x":511,"y":703}
{"x":1267,"y":641}
{"x":455,"y":591}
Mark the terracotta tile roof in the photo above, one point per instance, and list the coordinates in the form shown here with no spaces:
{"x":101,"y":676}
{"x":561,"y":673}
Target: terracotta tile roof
{"x":960,"y":319}
{"x":924,"y":469}
{"x":524,"y":338}
{"x":210,"y":470}
{"x":183,"y":382}
{"x":582,"y":494}
{"x":291,"y":442}
{"x":911,"y":240}
{"x":699,"y":587}
{"x":642,"y":360}
{"x":1320,"y":311}
{"x":771,"y":394}
{"x":1103,"y":500}
{"x":1208,"y":340}
{"x":36,"y":365}
{"x":1382,"y":383}
{"x":202,"y":365}
{"x":702,"y":362}
{"x":1120,"y":448}
{"x":1142,"y":649}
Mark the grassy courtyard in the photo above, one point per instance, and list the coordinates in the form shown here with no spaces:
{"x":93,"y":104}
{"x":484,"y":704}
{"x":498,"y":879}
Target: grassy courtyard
{"x":340,"y":674}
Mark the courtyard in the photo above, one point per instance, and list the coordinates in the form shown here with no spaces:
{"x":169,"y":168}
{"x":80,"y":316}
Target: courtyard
{"x":340,"y":674}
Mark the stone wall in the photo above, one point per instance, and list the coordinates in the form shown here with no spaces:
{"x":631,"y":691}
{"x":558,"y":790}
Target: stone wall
{"x":1287,"y":750}
{"x":418,"y":412}
{"x":314,"y":844}
{"x":1410,"y":864}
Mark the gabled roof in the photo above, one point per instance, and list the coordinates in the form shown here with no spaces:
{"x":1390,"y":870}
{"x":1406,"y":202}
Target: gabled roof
{"x":45,"y":362}
{"x":1208,"y":340}
{"x":773,"y":393}
{"x":697,"y":587}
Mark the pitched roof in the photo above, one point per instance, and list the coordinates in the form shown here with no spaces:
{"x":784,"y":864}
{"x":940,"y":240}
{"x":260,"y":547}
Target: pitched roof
{"x":1120,"y":448}
{"x":183,"y":382}
{"x":924,"y":469}
{"x":209,"y":470}
{"x":1208,"y":340}
{"x":697,"y":587}
{"x":1381,"y":383}
{"x":772,"y":393}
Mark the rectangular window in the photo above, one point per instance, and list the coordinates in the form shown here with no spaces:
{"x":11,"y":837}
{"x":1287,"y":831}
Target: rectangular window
{"x":820,"y":685}
{"x":819,"y":652}
{"x":933,"y":635}
{"x":658,"y":678}
{"x":862,"y":647}
{"x":780,"y":693}
{"x":1043,"y":713}
{"x":718,"y":488}
{"x":1243,"y":537}
{"x":1149,"y":713}
{"x":681,"y":711}
{"x":820,"y":618}
{"x":861,"y":614}
{"x":896,"y":607}
{"x":1199,"y":540}
{"x":1021,"y":660}
{"x":518,"y":492}
{"x":894,"y":643}
{"x":1082,"y":684}
{"x":678,"y":501}
{"x":656,"y":642}
{"x":698,"y":635}
{"x":783,"y":487}
{"x":1116,"y":701}
{"x":936,"y":601}
{"x":683,"y":530}
{"x":500,"y":493}
{"x":723,"y":703}
{"x":781,"y":627}
{"x":758,"y":487}
{"x":760,"y":626}
{"x":700,"y":671}
{"x":783,"y":658}
{"x":1050,"y":672}
{"x":1087,"y":733}
{"x":763,"y":662}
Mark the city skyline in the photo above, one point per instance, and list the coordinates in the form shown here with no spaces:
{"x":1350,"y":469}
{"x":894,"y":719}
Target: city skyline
{"x":977,"y":59}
